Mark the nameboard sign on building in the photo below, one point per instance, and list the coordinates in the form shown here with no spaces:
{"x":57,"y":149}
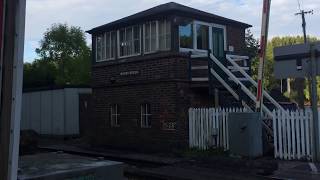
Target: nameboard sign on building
{"x":129,"y":73}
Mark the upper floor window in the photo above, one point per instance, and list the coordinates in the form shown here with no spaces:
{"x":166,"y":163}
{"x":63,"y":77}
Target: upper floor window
{"x":111,"y":45}
{"x":186,"y":36}
{"x":145,"y":116}
{"x":106,"y":46}
{"x":202,"y":37}
{"x":114,"y":115}
{"x":150,"y":36}
{"x":164,"y":35}
{"x":129,"y":41}
{"x":157,"y":36}
{"x":100,"y":48}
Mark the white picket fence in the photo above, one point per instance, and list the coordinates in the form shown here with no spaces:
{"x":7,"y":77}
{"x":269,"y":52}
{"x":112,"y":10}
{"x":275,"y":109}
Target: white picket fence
{"x":208,"y":127}
{"x":292,"y":135}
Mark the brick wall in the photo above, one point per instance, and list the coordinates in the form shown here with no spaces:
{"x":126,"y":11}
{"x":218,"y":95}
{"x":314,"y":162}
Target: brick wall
{"x":162,"y":81}
{"x":236,"y":38}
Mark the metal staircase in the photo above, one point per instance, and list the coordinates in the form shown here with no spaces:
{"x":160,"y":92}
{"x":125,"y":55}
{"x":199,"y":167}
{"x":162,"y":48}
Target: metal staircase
{"x":232,"y":73}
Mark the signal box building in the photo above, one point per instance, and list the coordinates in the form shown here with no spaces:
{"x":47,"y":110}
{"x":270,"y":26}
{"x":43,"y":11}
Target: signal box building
{"x":144,"y":79}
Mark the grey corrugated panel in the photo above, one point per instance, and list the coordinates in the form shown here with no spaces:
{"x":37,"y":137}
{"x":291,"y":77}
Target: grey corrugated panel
{"x":35,"y":111}
{"x":72,"y":115}
{"x":24,"y":113}
{"x":58,"y":112}
{"x":46,"y":112}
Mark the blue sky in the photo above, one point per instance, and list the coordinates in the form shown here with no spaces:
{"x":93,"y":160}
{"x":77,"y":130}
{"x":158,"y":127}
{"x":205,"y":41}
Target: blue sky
{"x":41,"y":14}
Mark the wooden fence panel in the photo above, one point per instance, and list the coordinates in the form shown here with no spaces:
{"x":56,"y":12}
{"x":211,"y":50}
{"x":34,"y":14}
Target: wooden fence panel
{"x":208,"y":128}
{"x":292,"y":135}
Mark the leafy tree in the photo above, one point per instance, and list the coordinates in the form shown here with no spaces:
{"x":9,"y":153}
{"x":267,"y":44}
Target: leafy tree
{"x":63,"y":52}
{"x":252,"y":44}
{"x":252,"y":50}
{"x":39,"y":74}
{"x":62,"y":42}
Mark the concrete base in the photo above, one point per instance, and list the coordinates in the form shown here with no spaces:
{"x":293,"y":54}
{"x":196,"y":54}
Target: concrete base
{"x":52,"y":166}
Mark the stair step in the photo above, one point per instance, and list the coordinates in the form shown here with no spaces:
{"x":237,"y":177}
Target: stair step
{"x":199,"y":68}
{"x":200,"y":79}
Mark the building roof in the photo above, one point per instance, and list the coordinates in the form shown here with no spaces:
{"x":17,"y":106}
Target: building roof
{"x":165,"y":9}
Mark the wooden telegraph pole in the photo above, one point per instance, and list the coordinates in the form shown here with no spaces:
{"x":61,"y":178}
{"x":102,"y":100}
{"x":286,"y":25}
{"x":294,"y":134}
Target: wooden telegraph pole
{"x":300,"y":82}
{"x":11,"y":70}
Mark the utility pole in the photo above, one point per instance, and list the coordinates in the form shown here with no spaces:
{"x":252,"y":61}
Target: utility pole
{"x":300,"y":82}
{"x":304,"y":24}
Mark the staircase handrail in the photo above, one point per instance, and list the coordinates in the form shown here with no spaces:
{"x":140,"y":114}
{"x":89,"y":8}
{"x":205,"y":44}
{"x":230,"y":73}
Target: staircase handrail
{"x":235,"y":79}
{"x":267,"y":95}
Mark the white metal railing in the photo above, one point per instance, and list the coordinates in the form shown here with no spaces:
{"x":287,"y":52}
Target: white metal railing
{"x":231,"y":59}
{"x":237,"y":81}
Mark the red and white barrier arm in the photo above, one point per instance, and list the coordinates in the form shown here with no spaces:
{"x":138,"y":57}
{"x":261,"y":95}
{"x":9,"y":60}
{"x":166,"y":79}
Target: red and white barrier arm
{"x":262,"y":55}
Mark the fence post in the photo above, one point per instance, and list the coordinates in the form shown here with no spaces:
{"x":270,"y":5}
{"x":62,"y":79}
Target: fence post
{"x":275,"y":138}
{"x":293,"y":130}
{"x":280,"y":134}
{"x":302,"y":126}
{"x":307,"y":121}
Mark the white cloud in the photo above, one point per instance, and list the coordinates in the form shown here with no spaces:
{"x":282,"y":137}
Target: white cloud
{"x":88,"y":14}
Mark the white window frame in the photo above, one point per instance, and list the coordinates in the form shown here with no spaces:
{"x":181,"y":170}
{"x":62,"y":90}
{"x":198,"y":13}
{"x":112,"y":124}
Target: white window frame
{"x":104,"y":38}
{"x":118,"y":37}
{"x":194,"y":28}
{"x":165,"y":35}
{"x":114,"y":113}
{"x":110,"y":45}
{"x":157,"y":37}
{"x":146,"y":115}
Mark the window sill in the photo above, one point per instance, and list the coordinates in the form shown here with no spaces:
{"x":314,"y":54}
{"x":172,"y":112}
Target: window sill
{"x":115,"y":126}
{"x":122,"y":57}
{"x":149,"y":127}
{"x":104,"y":60}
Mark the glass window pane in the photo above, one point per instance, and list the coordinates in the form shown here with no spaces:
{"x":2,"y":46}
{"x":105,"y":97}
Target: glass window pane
{"x":99,"y":48}
{"x":218,"y":42}
{"x":168,"y":41}
{"x":153,"y":36}
{"x":103,"y":47}
{"x":162,"y":35}
{"x":122,"y":42}
{"x":113,"y":44}
{"x":168,"y":35}
{"x":108,"y":46}
{"x":186,"y":36}
{"x":221,"y":45}
{"x":136,"y":39}
{"x":202,"y":37}
{"x":147,"y":37}
{"x":215,"y":43}
{"x":129,"y":40}
{"x":136,"y":32}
